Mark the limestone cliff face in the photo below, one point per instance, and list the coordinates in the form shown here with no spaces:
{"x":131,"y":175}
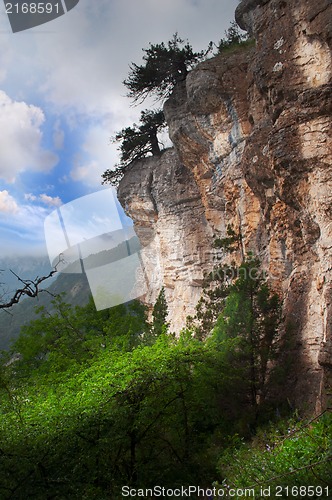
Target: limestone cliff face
{"x":252,"y":148}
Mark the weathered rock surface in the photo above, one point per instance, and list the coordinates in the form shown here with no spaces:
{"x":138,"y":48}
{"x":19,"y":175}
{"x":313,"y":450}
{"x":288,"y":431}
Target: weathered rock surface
{"x":165,"y":203}
{"x":252,"y":148}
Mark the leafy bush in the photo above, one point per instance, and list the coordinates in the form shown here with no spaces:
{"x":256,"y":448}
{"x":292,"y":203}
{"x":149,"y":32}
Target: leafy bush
{"x":92,"y":404}
{"x":290,"y":455}
{"x":234,"y":38}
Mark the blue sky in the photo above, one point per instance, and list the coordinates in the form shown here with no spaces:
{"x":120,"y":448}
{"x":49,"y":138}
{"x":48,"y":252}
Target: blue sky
{"x":61,"y":99}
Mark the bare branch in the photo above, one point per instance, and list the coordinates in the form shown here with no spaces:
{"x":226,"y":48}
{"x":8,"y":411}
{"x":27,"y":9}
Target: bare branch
{"x":30,"y":288}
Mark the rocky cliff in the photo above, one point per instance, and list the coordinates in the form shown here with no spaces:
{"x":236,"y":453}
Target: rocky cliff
{"x":251,"y":130}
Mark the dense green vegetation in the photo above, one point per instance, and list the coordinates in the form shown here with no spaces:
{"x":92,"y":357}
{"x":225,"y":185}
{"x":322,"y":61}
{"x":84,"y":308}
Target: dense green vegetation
{"x":98,"y":400}
{"x":291,"y":459}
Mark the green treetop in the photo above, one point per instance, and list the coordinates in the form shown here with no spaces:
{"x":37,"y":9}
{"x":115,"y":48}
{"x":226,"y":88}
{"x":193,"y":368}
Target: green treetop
{"x":164,"y":66}
{"x":233,"y":37}
{"x":137,"y":142}
{"x":160,"y":313}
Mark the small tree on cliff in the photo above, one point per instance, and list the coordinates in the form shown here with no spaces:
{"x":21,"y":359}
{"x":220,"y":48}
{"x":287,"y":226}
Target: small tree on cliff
{"x":159,"y":314}
{"x":239,"y":307}
{"x":137,"y":142}
{"x":164,"y":66}
{"x":233,"y":37}
{"x":251,"y":314}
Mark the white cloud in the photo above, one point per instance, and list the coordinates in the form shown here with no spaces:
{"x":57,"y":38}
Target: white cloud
{"x":82,"y":58}
{"x":30,"y":197}
{"x":50,"y":201}
{"x":20,"y":139}
{"x":78,"y":65}
{"x":58,"y":136}
{"x":30,"y":217}
{"x":22,"y":227}
{"x":8,"y":204}
{"x":82,"y":173}
{"x":96,"y":156}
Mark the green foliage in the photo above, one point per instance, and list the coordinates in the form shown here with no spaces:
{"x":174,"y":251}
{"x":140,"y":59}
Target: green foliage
{"x":251,"y":314}
{"x":290,"y":455}
{"x":237,"y":304}
{"x":140,"y":417}
{"x":230,"y":243}
{"x":61,"y":341}
{"x":216,"y":287}
{"x":234,"y":38}
{"x":137,"y":142}
{"x":164,"y":66}
{"x":159,"y":314}
{"x":100,"y":399}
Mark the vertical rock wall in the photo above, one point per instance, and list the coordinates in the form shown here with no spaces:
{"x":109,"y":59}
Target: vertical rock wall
{"x":290,"y":144}
{"x":251,"y":130}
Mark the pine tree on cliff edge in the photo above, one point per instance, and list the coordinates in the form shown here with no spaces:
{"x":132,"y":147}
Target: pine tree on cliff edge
{"x":137,"y":142}
{"x":164,"y":66}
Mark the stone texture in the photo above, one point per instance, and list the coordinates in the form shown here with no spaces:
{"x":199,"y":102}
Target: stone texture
{"x":252,"y":148}
{"x":165,"y":203}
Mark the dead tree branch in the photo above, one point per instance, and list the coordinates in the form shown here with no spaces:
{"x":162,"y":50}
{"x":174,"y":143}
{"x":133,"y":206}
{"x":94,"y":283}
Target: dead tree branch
{"x":30,"y":288}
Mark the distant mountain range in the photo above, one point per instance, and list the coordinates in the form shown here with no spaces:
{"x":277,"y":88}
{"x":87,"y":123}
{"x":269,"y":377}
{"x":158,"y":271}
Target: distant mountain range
{"x":77,"y":292}
{"x":74,"y":286}
{"x":27,"y":267}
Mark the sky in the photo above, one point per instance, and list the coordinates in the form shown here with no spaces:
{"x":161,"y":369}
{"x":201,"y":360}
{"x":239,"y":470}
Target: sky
{"x":62,"y":98}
